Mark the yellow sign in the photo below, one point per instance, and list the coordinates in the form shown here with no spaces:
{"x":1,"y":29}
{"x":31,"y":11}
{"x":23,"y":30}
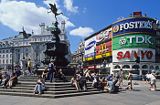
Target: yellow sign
{"x":99,"y":56}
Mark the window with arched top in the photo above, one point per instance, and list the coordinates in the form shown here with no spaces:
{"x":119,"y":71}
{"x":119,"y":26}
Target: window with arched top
{"x":151,"y":67}
{"x":144,"y":67}
{"x":157,"y":67}
{"x":117,"y":67}
{"x":126,"y":66}
{"x":135,"y":66}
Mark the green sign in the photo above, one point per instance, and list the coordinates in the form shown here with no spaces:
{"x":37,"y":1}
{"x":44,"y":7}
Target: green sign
{"x":133,"y":41}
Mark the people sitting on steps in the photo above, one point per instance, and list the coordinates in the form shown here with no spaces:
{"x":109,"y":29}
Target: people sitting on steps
{"x":5,"y":79}
{"x":61,"y":75}
{"x":74,"y":82}
{"x":12,"y":81}
{"x":82,"y":82}
{"x":45,"y":73}
{"x":39,"y":87}
{"x":88,"y":75}
{"x":112,"y":86}
{"x":95,"y":81}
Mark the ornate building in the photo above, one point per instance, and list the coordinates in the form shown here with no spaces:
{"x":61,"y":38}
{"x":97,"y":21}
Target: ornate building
{"x":28,"y":46}
{"x":123,"y":42}
{"x":78,"y":56}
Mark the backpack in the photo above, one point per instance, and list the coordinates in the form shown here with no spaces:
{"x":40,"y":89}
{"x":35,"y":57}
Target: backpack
{"x":51,"y":67}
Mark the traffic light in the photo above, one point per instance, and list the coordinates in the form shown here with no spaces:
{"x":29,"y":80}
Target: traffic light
{"x":137,"y":59}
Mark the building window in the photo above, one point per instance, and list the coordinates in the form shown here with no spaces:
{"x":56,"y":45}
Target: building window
{"x":40,"y":39}
{"x":10,"y":61}
{"x":26,"y":49}
{"x":3,"y":51}
{"x":26,"y":54}
{"x":3,"y":61}
{"x":3,"y":56}
{"x":10,"y":55}
{"x":6,"y":51}
{"x":7,"y":61}
{"x":6,"y":55}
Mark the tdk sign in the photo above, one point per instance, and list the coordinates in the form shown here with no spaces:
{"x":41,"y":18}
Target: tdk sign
{"x":90,"y":45}
{"x":136,"y":25}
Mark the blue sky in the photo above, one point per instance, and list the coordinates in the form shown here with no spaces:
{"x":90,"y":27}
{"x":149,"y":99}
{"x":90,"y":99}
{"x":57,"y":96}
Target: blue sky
{"x":83,"y":17}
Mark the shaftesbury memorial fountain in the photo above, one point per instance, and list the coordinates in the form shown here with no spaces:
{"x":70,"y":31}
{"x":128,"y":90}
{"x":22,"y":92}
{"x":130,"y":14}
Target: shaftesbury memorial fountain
{"x":56,"y":49}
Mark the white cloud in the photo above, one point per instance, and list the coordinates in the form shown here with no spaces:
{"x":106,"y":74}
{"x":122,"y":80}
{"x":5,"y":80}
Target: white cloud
{"x":51,"y":2}
{"x":16,"y":14}
{"x":68,"y":4}
{"x":82,"y":31}
{"x":3,"y":1}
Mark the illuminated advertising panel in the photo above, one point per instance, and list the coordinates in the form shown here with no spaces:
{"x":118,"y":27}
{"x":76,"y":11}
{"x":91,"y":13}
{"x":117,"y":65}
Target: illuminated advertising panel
{"x":104,"y":48}
{"x":90,"y":45}
{"x":104,"y":36}
{"x":133,"y":41}
{"x":145,"y":54}
{"x":134,"y":25}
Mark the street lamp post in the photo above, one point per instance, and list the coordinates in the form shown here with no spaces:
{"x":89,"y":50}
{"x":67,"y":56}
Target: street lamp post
{"x":94,"y":58}
{"x":137,"y":62}
{"x":12,"y":51}
{"x":82,"y":60}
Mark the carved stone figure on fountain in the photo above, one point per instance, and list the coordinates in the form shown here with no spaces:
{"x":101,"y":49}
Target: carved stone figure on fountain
{"x":55,"y":31}
{"x":54,"y":10}
{"x":56,"y":49}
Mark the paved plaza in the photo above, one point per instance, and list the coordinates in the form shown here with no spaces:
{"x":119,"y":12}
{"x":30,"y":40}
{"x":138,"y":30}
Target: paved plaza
{"x":139,"y":96}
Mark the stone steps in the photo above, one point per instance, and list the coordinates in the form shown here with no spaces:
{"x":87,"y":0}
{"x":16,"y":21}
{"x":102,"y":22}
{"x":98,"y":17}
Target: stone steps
{"x":49,"y":89}
{"x":26,"y":86}
{"x":45,"y":92}
{"x":49,"y":95}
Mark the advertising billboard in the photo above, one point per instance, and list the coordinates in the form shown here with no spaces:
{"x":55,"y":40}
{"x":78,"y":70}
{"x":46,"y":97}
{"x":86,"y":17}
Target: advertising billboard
{"x":134,"y":25}
{"x":130,"y":55}
{"x":133,"y":41}
{"x":104,"y":48}
{"x":90,"y":45}
{"x":104,"y":36}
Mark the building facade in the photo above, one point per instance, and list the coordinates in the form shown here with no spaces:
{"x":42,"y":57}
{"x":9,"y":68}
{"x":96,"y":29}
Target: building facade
{"x":28,"y":46}
{"x":78,"y":56}
{"x":121,"y":43}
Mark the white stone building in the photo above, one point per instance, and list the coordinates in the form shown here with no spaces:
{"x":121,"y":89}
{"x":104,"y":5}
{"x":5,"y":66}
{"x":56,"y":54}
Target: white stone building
{"x":28,"y":46}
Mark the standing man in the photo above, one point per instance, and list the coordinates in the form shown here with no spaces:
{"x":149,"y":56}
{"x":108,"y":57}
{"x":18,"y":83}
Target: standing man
{"x":121,"y":76}
{"x":29,"y":65}
{"x":152,"y":78}
{"x":130,"y":77}
{"x":51,"y":71}
{"x":23,"y":65}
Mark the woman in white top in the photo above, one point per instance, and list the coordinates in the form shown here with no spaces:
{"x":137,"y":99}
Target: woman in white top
{"x":152,"y":78}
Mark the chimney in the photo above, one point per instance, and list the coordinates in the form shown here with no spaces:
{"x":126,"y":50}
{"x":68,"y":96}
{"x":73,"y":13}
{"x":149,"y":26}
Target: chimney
{"x":63,"y":27}
{"x":137,"y":14}
{"x":42,"y":26}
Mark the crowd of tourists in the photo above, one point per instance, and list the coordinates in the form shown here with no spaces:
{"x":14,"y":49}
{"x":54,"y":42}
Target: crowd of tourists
{"x":9,"y":79}
{"x":49,"y":73}
{"x":104,"y":83}
{"x":109,"y":83}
